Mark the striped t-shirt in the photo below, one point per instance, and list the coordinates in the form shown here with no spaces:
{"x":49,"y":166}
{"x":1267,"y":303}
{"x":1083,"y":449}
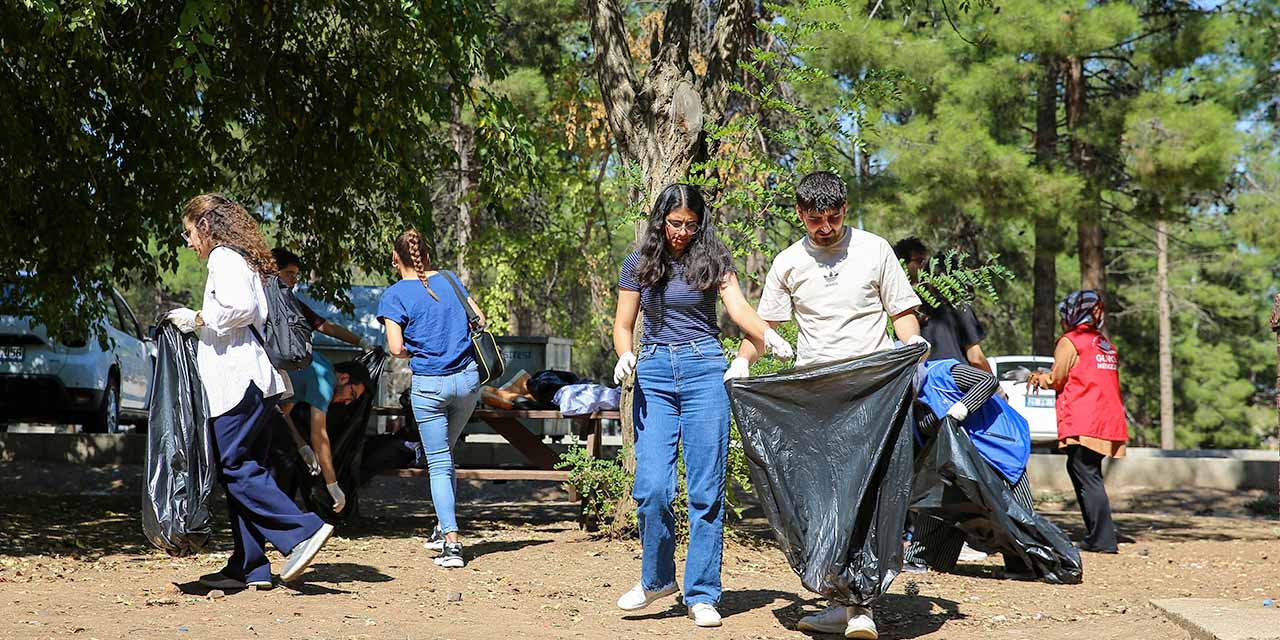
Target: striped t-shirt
{"x":677,"y":312}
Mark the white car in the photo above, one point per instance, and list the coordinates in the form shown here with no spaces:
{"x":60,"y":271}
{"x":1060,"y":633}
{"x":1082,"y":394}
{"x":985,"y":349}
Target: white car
{"x":1037,"y":408}
{"x":76,"y":380}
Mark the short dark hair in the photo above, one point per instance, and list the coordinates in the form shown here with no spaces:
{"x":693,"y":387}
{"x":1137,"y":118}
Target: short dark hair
{"x":821,"y":191}
{"x":356,"y":372}
{"x":909,"y":246}
{"x":285,"y":257}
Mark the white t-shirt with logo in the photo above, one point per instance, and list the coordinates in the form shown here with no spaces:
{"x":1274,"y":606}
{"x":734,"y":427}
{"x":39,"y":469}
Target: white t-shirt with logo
{"x":842,"y":296}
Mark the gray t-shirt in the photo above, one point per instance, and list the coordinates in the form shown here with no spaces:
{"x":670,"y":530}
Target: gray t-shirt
{"x":842,"y":296}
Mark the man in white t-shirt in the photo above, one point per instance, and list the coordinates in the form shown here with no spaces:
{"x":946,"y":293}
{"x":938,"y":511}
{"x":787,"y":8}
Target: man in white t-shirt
{"x":843,"y":286}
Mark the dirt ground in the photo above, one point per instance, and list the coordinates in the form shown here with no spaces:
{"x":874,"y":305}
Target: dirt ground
{"x":73,"y":563}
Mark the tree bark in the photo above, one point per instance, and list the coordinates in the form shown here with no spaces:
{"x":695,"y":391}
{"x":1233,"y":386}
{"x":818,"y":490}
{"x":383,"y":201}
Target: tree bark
{"x":1088,"y":223}
{"x":1047,"y":237}
{"x":462,"y":188}
{"x":1167,"y":440}
{"x":658,"y":122}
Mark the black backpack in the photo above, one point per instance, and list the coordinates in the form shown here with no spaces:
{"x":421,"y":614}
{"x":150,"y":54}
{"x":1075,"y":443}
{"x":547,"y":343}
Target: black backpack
{"x":287,"y":338}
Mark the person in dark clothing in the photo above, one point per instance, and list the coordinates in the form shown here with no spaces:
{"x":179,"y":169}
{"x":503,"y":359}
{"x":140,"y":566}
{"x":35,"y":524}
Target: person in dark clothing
{"x":953,"y":333}
{"x":397,"y":449}
{"x":947,"y":388}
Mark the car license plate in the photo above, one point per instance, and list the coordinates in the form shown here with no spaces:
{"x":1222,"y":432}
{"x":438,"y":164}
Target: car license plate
{"x":1040,"y":402}
{"x":12,"y":354}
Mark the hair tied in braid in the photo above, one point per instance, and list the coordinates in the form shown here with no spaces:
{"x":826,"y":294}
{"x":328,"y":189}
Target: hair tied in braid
{"x":409,"y":250}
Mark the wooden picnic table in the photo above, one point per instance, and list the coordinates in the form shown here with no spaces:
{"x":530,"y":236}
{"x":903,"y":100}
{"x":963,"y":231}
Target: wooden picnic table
{"x":542,"y":459}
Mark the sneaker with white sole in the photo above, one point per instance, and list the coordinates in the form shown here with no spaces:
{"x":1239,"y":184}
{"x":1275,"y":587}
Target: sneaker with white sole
{"x":637,"y":598}
{"x":451,"y":556}
{"x":302,"y":554}
{"x":833,"y":619}
{"x":435,"y":542}
{"x":704,"y":615}
{"x":969,"y":554}
{"x":221,"y":580}
{"x":861,"y":625}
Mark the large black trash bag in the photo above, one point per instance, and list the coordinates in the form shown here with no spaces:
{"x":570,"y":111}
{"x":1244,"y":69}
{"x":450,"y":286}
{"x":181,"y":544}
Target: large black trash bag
{"x":953,"y":483}
{"x":181,"y":469}
{"x":346,"y":425}
{"x":829,"y":450}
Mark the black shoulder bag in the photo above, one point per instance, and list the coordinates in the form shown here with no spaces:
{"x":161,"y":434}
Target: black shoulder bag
{"x":487,"y":353}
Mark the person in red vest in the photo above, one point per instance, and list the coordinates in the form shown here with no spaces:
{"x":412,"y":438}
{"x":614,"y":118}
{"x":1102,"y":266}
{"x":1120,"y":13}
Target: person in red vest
{"x":1091,"y":420}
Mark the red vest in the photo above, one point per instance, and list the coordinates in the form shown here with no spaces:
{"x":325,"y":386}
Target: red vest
{"x":1090,"y":404}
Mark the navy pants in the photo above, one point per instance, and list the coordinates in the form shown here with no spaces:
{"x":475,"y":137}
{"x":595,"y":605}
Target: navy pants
{"x":260,"y":511}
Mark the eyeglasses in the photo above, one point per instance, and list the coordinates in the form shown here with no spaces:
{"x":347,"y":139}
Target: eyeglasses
{"x":676,"y":225}
{"x":832,"y":219}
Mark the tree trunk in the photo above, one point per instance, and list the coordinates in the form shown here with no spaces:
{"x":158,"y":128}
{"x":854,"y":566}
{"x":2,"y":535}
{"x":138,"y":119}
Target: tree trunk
{"x":1044,"y":327}
{"x":658,"y":121}
{"x":461,"y":200}
{"x":1275,"y":328}
{"x":1047,"y":237}
{"x":1088,"y":222}
{"x":1166,"y":336}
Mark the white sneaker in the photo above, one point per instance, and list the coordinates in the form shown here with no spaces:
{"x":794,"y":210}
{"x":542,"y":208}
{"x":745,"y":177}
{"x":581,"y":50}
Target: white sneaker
{"x":637,"y":598}
{"x":861,"y":625}
{"x":833,"y":619}
{"x":969,"y":554}
{"x":704,"y":615}
{"x":435,"y":542}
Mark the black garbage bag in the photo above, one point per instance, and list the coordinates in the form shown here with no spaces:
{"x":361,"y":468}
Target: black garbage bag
{"x":829,"y":450}
{"x":346,"y":426}
{"x":543,"y":385}
{"x":953,"y":483}
{"x":181,"y":469}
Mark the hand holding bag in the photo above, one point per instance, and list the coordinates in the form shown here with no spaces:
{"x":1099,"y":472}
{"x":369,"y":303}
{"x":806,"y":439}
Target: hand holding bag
{"x":487,"y":353}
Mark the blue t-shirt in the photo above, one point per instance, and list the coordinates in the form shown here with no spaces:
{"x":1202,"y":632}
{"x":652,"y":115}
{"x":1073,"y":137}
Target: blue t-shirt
{"x":677,"y":313}
{"x":435,"y":331}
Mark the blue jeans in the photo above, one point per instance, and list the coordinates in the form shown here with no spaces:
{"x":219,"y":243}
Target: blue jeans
{"x":680,"y":398}
{"x":442,"y":405}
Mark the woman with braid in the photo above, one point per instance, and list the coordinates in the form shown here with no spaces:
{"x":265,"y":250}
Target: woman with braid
{"x":242,"y":390}
{"x":432,"y":332}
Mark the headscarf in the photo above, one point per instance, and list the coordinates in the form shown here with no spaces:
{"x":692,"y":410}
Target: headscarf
{"x":1077,"y":309}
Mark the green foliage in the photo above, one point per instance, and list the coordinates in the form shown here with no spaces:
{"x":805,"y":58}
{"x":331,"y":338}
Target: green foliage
{"x":329,"y":115}
{"x":600,"y":483}
{"x":947,"y":279}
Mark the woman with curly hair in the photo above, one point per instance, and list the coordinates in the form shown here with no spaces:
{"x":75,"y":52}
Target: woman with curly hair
{"x":675,"y":276}
{"x":433,"y":333}
{"x":242,"y":390}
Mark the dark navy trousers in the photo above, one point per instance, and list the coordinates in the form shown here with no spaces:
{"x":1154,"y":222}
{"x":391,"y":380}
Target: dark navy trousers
{"x":260,"y":511}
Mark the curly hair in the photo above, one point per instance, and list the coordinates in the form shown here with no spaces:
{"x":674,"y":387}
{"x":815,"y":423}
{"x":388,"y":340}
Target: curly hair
{"x":706,"y":260}
{"x":410,"y":250}
{"x":230,"y":225}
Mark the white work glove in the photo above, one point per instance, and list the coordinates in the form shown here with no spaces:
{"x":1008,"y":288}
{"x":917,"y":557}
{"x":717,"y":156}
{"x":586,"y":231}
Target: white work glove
{"x":778,"y":345}
{"x":919,"y":339}
{"x":958,"y":411}
{"x":339,"y":498}
{"x":309,"y":457}
{"x":739,"y":368}
{"x":183,"y":318}
{"x":626,"y":364}
{"x":368,"y":344}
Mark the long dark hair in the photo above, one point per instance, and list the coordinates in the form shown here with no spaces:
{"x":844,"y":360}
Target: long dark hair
{"x":229,"y":224}
{"x":706,"y":259}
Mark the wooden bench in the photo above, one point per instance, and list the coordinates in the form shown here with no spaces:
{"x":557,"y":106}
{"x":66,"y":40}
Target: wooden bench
{"x":542,"y":459}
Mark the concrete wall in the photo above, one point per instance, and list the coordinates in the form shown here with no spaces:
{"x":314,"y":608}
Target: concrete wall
{"x":1212,"y":469}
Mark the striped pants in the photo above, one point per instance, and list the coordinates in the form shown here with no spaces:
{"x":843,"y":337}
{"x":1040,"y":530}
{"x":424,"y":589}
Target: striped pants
{"x":937,"y":543}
